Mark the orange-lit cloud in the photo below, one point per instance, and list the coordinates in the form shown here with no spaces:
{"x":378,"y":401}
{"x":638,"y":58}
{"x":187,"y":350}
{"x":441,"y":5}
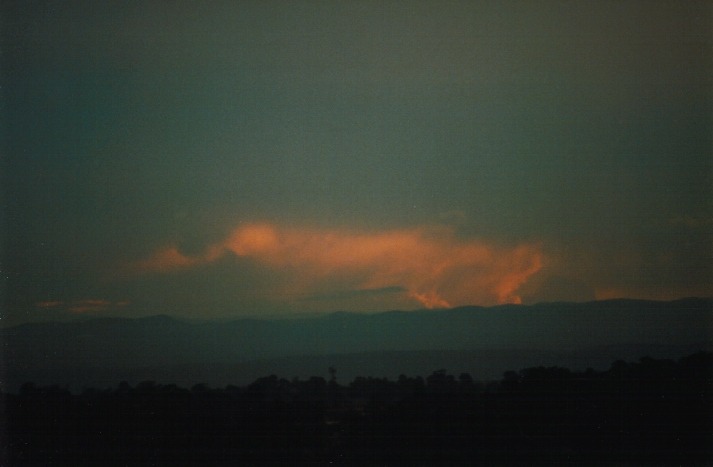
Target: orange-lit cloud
{"x":90,"y":305}
{"x":81,"y":306}
{"x":432,"y":265}
{"x":166,"y":259}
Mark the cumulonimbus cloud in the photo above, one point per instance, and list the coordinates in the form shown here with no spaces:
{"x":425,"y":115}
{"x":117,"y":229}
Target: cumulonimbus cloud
{"x":431,"y":264}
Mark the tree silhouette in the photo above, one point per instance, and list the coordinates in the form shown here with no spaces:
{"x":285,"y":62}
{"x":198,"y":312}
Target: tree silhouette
{"x":646,"y":412}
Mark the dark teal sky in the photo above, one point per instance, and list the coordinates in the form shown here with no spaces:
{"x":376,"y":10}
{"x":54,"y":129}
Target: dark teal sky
{"x":396,"y":154}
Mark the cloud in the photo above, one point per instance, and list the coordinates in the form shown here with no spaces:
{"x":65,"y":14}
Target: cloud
{"x":90,"y":305}
{"x":648,"y":269}
{"x":81,"y":306}
{"x":166,"y":259}
{"x":431,"y":264}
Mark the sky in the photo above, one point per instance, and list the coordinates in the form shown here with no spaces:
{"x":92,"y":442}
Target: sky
{"x":261,"y":158}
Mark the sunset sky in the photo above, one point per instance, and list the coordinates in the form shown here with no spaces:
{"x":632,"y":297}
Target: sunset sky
{"x":228,"y":159}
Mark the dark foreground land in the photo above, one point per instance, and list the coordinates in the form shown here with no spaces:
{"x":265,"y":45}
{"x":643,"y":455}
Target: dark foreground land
{"x":653,"y":412}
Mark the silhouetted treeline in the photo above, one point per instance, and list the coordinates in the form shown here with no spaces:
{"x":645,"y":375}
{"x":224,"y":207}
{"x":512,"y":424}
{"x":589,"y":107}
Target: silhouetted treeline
{"x":649,"y":412}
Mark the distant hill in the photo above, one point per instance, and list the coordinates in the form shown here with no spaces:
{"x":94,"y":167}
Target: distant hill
{"x":482,"y":341}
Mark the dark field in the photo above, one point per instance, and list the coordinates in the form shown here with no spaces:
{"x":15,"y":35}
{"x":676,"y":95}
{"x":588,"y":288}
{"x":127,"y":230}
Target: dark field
{"x":652,"y":412}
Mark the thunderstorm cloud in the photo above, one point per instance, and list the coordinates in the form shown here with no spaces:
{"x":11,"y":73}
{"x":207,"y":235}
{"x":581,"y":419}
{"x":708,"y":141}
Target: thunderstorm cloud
{"x":432,"y":265}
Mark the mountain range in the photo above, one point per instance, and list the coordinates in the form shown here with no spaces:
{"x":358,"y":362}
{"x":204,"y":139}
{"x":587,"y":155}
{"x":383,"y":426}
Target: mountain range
{"x":483,"y":341}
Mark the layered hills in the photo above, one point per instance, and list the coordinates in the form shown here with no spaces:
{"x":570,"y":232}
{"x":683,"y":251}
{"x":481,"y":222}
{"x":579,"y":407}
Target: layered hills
{"x":482,"y":341}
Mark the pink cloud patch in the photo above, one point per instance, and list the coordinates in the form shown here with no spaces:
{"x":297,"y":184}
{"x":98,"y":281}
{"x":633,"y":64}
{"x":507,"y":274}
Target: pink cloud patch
{"x":432,"y":265}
